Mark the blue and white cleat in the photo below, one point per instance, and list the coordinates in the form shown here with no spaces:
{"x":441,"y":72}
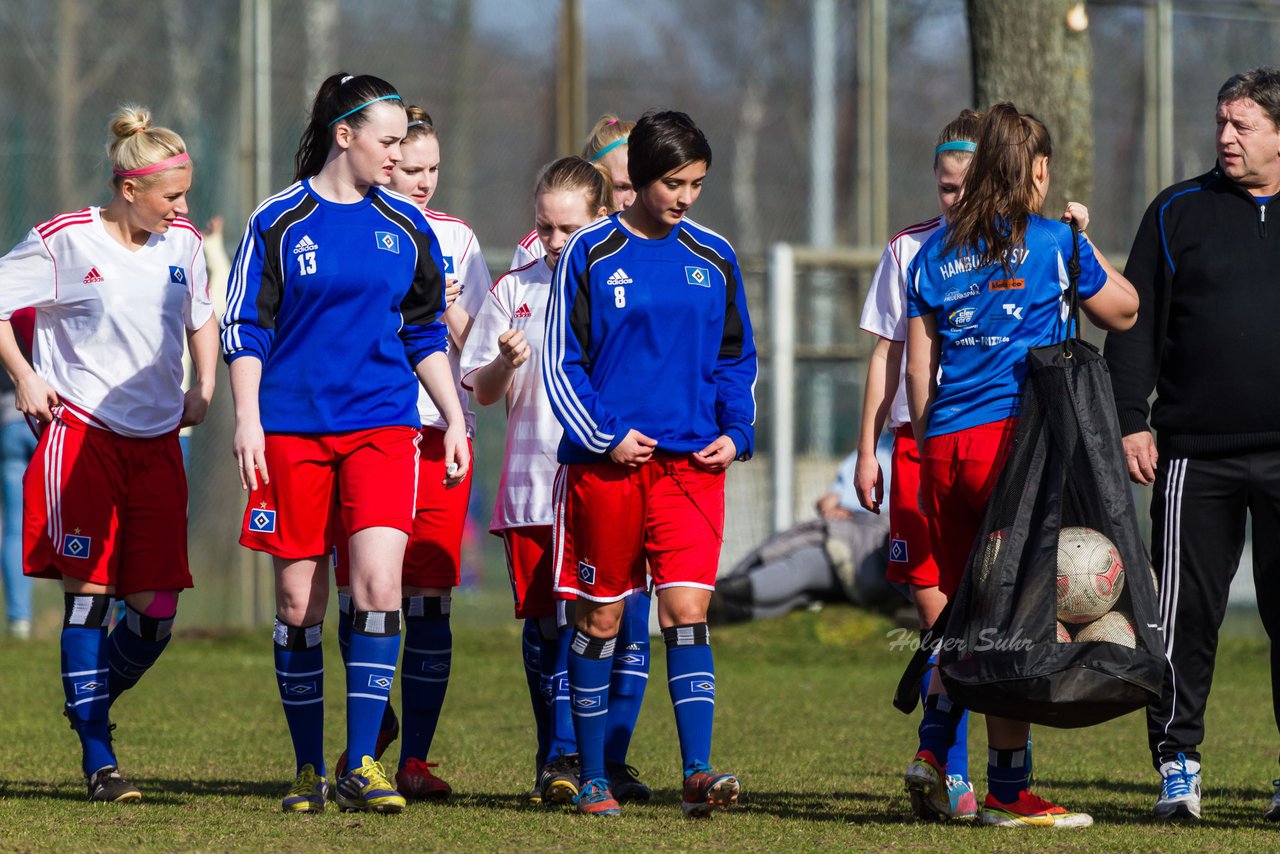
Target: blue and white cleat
{"x":1180,"y":789}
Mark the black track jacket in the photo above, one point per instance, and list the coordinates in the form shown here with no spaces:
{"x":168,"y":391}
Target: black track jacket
{"x":1206,"y":265}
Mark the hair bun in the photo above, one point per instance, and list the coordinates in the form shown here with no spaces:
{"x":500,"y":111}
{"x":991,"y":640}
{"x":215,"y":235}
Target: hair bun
{"x":129,"y":120}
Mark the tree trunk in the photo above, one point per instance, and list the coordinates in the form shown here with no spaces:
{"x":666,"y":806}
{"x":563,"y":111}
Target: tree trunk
{"x":1026,"y":53}
{"x":461,"y":138}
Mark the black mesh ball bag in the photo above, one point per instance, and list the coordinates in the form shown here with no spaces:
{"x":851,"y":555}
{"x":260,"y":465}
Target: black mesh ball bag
{"x":1056,"y":619}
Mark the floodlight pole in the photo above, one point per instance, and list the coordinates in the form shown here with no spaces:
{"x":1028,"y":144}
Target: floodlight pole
{"x":782,"y":360}
{"x":1159,"y":96}
{"x":262,"y":98}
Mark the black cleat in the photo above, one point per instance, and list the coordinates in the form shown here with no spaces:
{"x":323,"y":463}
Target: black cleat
{"x":558,"y":781}
{"x":107,"y":786}
{"x":624,"y":783}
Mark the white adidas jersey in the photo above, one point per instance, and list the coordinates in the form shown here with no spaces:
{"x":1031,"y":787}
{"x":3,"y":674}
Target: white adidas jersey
{"x":529,"y":249}
{"x":519,"y":301}
{"x":110,"y":322}
{"x":463,"y":261}
{"x":885,"y":311}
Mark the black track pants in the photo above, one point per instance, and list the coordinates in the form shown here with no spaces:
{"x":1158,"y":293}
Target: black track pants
{"x":1198,"y":514}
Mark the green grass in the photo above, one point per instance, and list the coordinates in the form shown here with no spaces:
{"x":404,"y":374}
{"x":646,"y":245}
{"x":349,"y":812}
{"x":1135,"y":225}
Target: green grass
{"x":803,"y":716}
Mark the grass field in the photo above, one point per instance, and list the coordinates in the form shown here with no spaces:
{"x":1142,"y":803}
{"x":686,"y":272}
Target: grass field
{"x":803,"y":717}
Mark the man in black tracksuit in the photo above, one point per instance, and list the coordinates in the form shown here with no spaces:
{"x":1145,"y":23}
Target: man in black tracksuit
{"x":1206,"y":265}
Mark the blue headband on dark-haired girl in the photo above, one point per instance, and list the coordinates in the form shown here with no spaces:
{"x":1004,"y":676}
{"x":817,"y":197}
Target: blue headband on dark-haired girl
{"x":957,"y":145}
{"x":362,"y":106}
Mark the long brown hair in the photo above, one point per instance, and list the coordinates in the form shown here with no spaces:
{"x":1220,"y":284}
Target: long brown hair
{"x":990,"y":218}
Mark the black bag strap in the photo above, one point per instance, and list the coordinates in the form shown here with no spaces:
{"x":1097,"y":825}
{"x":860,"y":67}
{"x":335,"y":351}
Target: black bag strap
{"x":907,"y":694}
{"x":1073,"y":288}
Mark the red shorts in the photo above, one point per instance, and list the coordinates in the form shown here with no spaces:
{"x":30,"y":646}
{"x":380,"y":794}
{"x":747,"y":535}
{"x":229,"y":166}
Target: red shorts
{"x":106,"y":509}
{"x":529,"y":565}
{"x":366,"y":478}
{"x":910,"y":552}
{"x":609,"y":518}
{"x":958,"y":473}
{"x":434,"y":555}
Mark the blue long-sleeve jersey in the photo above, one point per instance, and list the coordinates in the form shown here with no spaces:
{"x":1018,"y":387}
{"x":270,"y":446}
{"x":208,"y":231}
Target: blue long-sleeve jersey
{"x":338,"y":302}
{"x":651,"y":335}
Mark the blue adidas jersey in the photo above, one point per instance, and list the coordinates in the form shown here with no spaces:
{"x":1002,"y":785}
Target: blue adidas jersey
{"x":988,"y":316}
{"x":651,"y":335}
{"x":338,"y":302}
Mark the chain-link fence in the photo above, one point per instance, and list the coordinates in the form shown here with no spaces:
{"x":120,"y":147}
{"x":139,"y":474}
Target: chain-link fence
{"x":232,"y":74}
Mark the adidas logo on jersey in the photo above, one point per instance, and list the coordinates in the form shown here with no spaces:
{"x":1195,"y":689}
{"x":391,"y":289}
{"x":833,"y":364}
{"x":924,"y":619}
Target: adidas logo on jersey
{"x":93,"y":277}
{"x":619,"y":277}
{"x":306,"y":244}
{"x":523,"y":312}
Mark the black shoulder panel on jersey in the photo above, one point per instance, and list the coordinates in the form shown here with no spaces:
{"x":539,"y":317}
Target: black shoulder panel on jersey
{"x":424,"y":302}
{"x":580,"y":311}
{"x":271,"y":288}
{"x":734,"y":329}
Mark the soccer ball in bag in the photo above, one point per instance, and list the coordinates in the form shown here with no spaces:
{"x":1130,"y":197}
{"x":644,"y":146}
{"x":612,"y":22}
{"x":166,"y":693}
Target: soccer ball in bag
{"x":1111,"y":627}
{"x":1090,"y":575}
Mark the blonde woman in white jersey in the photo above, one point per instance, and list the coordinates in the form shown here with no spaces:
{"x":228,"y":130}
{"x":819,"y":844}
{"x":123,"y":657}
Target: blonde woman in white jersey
{"x":501,"y":362}
{"x":606,"y":147}
{"x":117,"y":288}
{"x":432,"y":560}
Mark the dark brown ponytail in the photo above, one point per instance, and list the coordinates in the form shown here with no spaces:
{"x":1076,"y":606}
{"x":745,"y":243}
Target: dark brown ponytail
{"x":341,"y":97}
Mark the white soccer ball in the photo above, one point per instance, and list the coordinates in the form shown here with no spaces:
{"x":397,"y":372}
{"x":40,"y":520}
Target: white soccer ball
{"x":1064,"y":636}
{"x":1090,"y":575}
{"x":1111,"y":627}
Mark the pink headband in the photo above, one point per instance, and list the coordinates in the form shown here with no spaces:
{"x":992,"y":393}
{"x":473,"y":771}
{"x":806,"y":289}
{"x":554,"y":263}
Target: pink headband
{"x":175,"y":160}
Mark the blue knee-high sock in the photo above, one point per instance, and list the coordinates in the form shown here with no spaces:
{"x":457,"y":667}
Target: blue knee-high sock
{"x":539,"y":687}
{"x":428,"y":656}
{"x":1006,"y":773}
{"x":562,"y":732}
{"x":344,"y":647}
{"x":958,"y":755}
{"x":133,"y":646}
{"x":629,"y":679}
{"x":957,"y":758}
{"x":938,"y":725}
{"x":86,"y":677}
{"x":590,"y":660}
{"x":371,"y":670}
{"x":691,"y":681}
{"x":300,"y":676}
